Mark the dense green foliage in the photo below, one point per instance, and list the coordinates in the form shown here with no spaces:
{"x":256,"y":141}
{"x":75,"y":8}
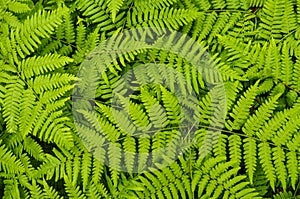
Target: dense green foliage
{"x":253,"y":153}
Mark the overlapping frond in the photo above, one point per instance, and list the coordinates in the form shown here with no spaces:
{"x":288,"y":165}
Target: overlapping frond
{"x":172,"y":99}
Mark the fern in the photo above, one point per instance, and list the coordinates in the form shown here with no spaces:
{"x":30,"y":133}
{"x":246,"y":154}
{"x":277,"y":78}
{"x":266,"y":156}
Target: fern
{"x":167,"y":18}
{"x":39,"y":25}
{"x":149,"y":99}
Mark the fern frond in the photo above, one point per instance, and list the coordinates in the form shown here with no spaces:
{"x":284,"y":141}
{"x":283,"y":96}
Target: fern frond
{"x":97,"y":171}
{"x":265,"y":157}
{"x":170,"y":182}
{"x":220,"y":147}
{"x":272,"y":61}
{"x":139,"y":117}
{"x":41,"y":24}
{"x":172,"y":106}
{"x":124,"y":123}
{"x":9,"y":18}
{"x":80,"y":35}
{"x":114,"y":7}
{"x":114,"y":156}
{"x":283,"y":195}
{"x":144,"y":145}
{"x":261,"y":115}
{"x":86,"y":169}
{"x":12,"y":98}
{"x":170,"y":18}
{"x":47,"y":168}
{"x":277,"y":17}
{"x":9,"y":162}
{"x":73,"y":191}
{"x":143,"y":92}
{"x":157,"y":114}
{"x":289,"y":20}
{"x":44,"y":83}
{"x":207,"y":25}
{"x":268,"y":130}
{"x":279,"y":162}
{"x":214,"y":172}
{"x":232,"y":89}
{"x":57,"y":132}
{"x":219,"y":4}
{"x":68,"y":28}
{"x":34,"y":149}
{"x":129,"y":145}
{"x":240,"y":111}
{"x":153,"y":3}
{"x":35,"y":189}
{"x":219,"y":25}
{"x":287,"y":131}
{"x":295,"y":79}
{"x":50,"y":192}
{"x":235,"y":154}
{"x":244,"y":54}
{"x":38,"y":65}
{"x":250,"y":157}
{"x":17,"y":7}
{"x":11,"y":189}
{"x":97,"y":12}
